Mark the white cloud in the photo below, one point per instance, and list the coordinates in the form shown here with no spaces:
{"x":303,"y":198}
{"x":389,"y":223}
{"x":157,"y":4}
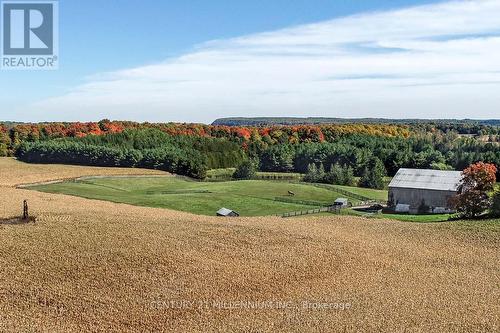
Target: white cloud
{"x":434,"y":61}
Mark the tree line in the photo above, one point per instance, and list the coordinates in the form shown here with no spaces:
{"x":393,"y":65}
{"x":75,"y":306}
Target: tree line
{"x":364,"y":153}
{"x":137,"y":148}
{"x":15,"y":134}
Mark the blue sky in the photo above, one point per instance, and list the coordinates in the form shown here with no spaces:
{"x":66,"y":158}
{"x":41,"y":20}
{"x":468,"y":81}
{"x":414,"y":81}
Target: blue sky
{"x":199,"y":60}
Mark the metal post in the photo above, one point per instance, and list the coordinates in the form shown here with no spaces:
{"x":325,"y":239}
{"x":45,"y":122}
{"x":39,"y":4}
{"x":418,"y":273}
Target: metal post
{"x":25,"y":210}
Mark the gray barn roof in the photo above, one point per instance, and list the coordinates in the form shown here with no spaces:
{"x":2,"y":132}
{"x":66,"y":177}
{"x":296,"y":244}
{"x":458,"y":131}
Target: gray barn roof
{"x":427,"y":179}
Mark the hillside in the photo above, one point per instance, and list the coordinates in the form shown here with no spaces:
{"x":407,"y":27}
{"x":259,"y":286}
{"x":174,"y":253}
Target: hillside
{"x":268,"y":121}
{"x":248,"y":198}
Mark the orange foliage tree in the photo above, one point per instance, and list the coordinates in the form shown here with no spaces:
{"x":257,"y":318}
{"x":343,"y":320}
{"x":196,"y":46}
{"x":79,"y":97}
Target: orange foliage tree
{"x":477,"y":181}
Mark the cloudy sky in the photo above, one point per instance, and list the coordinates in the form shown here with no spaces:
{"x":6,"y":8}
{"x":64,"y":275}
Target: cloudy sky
{"x":432,"y":60}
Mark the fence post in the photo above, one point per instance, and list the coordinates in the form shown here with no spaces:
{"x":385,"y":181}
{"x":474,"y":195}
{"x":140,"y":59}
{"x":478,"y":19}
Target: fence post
{"x":26,"y":214}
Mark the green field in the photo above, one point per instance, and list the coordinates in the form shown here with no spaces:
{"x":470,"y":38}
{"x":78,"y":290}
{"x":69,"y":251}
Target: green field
{"x":249,"y":198}
{"x":429,"y":218}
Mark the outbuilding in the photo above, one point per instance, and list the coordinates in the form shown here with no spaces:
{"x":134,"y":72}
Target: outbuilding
{"x":423,"y":191}
{"x":341,"y":202}
{"x":227,"y":213}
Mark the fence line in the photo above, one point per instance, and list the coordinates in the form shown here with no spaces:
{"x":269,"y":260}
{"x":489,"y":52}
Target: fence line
{"x":344,"y":192}
{"x":300,"y":202}
{"x":270,"y":176}
{"x":331,"y":209}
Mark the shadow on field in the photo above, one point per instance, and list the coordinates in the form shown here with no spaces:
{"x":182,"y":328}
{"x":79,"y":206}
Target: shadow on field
{"x":17,"y":220}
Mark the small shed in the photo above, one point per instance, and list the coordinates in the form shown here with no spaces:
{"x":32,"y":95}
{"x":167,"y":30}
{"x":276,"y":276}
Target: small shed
{"x":423,"y":191}
{"x":227,"y":213}
{"x":342,"y":202}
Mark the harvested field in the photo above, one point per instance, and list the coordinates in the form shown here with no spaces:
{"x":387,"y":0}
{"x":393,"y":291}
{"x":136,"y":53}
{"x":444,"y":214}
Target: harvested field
{"x":13,"y":173}
{"x":88,"y":265}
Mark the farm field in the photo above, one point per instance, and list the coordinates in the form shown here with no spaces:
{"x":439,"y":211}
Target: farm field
{"x":249,"y":198}
{"x":89,"y":265}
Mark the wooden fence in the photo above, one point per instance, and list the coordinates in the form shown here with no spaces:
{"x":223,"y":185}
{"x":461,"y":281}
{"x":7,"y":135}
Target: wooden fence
{"x":300,"y":202}
{"x":344,"y":192}
{"x":290,"y":177}
{"x":331,"y":209}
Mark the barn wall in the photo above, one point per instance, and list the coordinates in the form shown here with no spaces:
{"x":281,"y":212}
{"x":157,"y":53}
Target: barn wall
{"x":414,"y":197}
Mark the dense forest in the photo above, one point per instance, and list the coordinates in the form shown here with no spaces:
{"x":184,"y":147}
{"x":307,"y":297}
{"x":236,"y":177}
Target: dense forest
{"x":147,"y":148}
{"x":191,"y":149}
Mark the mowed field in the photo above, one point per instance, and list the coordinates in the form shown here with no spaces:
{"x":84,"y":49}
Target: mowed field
{"x":249,"y":198}
{"x":89,"y":265}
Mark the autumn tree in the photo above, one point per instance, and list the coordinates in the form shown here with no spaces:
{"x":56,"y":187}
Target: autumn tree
{"x":4,"y":141}
{"x":477,"y":181}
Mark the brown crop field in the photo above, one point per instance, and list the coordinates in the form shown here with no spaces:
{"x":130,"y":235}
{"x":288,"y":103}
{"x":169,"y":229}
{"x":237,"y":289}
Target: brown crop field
{"x":92,"y":266}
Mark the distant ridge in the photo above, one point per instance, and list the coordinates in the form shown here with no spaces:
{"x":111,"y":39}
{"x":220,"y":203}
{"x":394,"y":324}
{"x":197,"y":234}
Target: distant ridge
{"x":266,"y":121}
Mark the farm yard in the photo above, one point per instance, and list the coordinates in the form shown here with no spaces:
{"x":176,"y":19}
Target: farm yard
{"x":88,"y":265}
{"x":249,"y":198}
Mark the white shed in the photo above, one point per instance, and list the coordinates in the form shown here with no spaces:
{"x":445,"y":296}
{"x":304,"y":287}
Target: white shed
{"x":227,"y":213}
{"x":342,"y":202}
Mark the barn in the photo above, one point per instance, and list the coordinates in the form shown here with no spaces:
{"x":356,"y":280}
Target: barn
{"x":423,"y":191}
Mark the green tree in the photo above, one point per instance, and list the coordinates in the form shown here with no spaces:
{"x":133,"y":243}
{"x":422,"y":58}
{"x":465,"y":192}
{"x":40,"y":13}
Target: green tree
{"x":348,"y":176}
{"x":312,"y":174}
{"x":373,"y":174}
{"x":278,"y":158}
{"x":321,"y":173}
{"x":245,"y":170}
{"x":335,"y":175}
{"x":440,"y":166}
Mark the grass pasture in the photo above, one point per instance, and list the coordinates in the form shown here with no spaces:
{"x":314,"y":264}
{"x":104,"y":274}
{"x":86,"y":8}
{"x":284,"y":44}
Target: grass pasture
{"x":249,"y":198}
{"x":428,"y":218}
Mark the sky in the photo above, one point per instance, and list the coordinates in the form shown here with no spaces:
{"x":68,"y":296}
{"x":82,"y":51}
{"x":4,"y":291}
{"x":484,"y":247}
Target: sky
{"x":197,"y":60}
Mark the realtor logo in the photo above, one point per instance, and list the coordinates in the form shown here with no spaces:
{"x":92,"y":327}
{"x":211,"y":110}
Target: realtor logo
{"x":29,"y":34}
